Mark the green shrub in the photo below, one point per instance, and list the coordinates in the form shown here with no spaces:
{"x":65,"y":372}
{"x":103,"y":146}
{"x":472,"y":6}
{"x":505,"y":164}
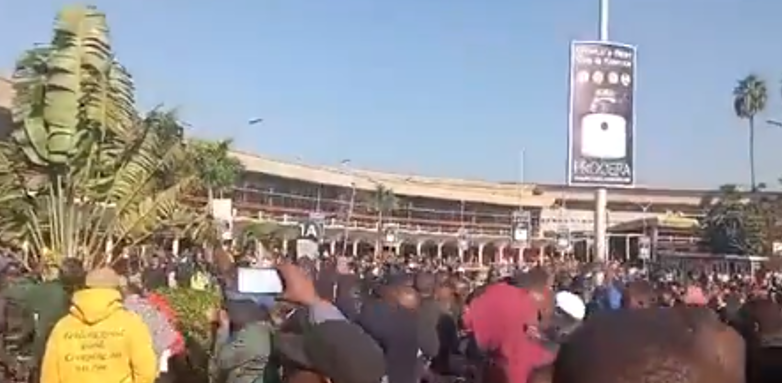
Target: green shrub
{"x":190,"y":307}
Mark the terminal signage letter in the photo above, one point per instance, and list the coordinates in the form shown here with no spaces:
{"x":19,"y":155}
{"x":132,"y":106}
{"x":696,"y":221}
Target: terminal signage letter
{"x":314,"y":228}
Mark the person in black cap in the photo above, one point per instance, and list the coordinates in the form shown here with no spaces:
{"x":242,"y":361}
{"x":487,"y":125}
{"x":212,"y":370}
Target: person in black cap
{"x":330,"y":346}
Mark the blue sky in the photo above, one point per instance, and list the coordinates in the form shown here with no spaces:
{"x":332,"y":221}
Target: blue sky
{"x":441,"y":87}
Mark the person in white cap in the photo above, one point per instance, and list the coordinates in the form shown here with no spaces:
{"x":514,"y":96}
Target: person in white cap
{"x":571,"y":304}
{"x":569,"y":312}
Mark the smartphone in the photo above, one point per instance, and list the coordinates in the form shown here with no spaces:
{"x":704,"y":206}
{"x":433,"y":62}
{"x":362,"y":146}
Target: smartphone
{"x":259,"y":281}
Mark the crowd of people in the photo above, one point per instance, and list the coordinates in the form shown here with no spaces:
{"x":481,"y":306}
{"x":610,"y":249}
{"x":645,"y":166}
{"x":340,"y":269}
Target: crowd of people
{"x":395,"y":320}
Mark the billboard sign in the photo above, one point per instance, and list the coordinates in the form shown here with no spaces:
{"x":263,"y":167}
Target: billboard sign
{"x":601,"y":130}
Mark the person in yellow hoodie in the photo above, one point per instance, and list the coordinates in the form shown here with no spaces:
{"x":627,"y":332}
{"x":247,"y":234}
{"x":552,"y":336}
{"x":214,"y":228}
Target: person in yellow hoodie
{"x":99,"y":340}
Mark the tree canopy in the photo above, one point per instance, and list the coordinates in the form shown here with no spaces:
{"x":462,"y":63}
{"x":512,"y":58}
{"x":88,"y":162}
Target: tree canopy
{"x":84,"y":174}
{"x":740,"y":223}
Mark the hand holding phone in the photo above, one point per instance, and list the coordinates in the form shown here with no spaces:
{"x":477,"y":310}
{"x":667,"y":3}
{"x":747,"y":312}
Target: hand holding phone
{"x":299,"y":287}
{"x":259,"y":281}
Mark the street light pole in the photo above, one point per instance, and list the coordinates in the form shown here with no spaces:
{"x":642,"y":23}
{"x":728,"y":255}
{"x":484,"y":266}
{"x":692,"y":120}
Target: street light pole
{"x":346,"y":168}
{"x":601,"y":194}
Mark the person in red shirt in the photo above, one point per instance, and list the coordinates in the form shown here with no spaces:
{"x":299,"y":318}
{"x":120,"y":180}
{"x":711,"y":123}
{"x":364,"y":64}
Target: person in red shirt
{"x":504,"y":321}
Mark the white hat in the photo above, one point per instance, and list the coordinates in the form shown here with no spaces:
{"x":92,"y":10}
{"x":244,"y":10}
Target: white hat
{"x":571,"y":304}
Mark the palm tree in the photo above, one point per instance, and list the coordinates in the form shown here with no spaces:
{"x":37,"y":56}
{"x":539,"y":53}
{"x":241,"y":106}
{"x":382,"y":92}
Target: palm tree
{"x":749,"y":99}
{"x":79,"y":176}
{"x":218,"y":170}
{"x":383,"y":203}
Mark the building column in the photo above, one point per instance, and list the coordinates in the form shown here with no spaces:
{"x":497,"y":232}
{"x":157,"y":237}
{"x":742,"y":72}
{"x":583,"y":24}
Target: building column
{"x":397,"y":248}
{"x":480,"y":253}
{"x":355,"y":248}
{"x":285,"y":247}
{"x":461,"y":254}
{"x":333,"y":248}
{"x":627,"y":247}
{"x":419,"y":247}
{"x":440,"y":250}
{"x":500,"y":253}
{"x":654,"y":237}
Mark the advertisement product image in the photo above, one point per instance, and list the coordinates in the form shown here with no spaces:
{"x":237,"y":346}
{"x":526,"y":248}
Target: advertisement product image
{"x":601,"y":150}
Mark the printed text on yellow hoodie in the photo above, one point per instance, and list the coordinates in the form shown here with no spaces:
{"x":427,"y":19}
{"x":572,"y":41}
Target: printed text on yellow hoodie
{"x":99,"y":342}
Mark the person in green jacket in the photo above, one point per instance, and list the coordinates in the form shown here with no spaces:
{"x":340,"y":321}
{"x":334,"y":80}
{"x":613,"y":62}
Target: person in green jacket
{"x":50,"y":300}
{"x":17,"y":327}
{"x":243,"y":344}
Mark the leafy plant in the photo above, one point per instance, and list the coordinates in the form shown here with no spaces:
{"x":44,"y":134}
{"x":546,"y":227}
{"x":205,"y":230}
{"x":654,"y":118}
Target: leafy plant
{"x":82,"y":174}
{"x":736,"y":223}
{"x":191,"y":307}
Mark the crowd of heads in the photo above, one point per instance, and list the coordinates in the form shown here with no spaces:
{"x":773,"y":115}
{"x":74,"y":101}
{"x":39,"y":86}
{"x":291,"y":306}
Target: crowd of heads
{"x":400,"y":320}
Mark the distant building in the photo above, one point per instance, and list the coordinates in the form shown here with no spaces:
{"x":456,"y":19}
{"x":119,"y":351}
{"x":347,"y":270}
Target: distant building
{"x":435,"y":214}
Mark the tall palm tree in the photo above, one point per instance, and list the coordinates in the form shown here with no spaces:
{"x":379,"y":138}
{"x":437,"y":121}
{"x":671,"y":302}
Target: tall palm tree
{"x":749,"y":99}
{"x":383,"y":203}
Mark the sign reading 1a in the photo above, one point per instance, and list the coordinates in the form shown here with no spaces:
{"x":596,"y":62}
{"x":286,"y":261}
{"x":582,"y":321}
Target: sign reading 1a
{"x":312,"y":229}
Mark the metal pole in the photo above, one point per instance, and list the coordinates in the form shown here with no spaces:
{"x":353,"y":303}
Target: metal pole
{"x":601,"y":193}
{"x":522,"y":158}
{"x":604,"y":20}
{"x":349,"y":216}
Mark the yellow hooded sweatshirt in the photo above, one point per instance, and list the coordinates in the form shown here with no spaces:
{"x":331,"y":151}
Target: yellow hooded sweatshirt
{"x":99,"y":342}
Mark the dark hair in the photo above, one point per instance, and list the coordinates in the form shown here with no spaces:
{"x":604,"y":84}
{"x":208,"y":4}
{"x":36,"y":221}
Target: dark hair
{"x":72,"y":274}
{"x":535,"y":279}
{"x":639,"y":294}
{"x":681,"y":345}
{"x":136,"y":289}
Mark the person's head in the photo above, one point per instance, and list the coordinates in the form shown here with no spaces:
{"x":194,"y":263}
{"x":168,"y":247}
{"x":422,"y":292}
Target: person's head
{"x":335,"y":351}
{"x":132,"y":286}
{"x":537,"y":282}
{"x":687,"y":345}
{"x":694,"y":296}
{"x":425,"y":283}
{"x":72,"y":274}
{"x":407,"y":297}
{"x":399,"y":293}
{"x":461,"y":288}
{"x":10,"y":270}
{"x":638,"y":294}
{"x":569,"y":312}
{"x":445,"y":296}
{"x":758,"y":318}
{"x":243,"y":312}
{"x":103,"y":278}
